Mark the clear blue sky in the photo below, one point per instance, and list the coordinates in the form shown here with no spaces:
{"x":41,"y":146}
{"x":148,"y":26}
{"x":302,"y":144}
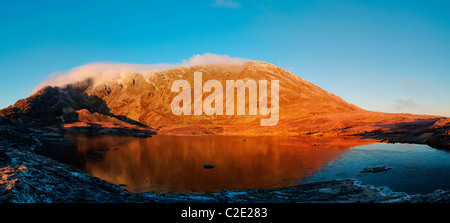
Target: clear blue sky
{"x":382,"y":55}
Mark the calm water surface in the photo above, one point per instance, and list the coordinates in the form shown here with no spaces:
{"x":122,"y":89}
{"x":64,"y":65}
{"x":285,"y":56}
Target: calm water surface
{"x":415,"y":168}
{"x":175,"y":163}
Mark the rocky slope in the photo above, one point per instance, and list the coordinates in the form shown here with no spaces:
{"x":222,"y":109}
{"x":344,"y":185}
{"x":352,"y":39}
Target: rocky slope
{"x":143,"y":102}
{"x":147,"y":98}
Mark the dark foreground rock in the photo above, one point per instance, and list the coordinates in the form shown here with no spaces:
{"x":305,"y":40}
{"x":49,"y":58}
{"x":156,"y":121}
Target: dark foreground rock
{"x":27,"y":177}
{"x":30,"y":178}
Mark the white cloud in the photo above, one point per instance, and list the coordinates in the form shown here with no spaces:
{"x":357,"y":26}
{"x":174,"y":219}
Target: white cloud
{"x":99,"y":73}
{"x":226,"y":4}
{"x":209,"y":58}
{"x":410,"y":85}
{"x":401,"y":104}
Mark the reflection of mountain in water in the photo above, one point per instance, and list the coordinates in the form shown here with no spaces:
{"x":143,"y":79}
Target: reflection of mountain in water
{"x":175,"y":163}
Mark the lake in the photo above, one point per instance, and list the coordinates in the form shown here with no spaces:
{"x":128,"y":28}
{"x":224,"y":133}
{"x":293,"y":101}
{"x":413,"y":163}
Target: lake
{"x":176,"y":163}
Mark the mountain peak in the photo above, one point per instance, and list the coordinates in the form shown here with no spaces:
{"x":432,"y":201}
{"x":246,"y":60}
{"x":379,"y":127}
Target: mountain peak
{"x":146,"y":97}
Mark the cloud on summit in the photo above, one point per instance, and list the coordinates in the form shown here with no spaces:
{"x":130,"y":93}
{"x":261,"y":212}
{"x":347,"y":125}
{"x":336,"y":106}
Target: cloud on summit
{"x":103,"y":71}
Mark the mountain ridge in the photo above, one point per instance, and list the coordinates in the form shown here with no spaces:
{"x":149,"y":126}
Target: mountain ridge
{"x":142,"y":101}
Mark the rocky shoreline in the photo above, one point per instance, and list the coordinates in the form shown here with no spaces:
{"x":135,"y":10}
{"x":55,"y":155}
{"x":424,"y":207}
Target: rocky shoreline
{"x":27,"y":177}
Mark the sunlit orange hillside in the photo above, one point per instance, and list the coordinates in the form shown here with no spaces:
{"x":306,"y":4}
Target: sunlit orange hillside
{"x":144,"y":101}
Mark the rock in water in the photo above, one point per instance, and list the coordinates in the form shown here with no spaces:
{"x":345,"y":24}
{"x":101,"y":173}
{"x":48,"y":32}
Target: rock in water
{"x":208,"y":166}
{"x":375,"y":169}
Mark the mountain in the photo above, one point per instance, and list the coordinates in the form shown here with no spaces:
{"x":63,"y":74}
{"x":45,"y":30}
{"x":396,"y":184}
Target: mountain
{"x":147,"y":99}
{"x":143,"y":101}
